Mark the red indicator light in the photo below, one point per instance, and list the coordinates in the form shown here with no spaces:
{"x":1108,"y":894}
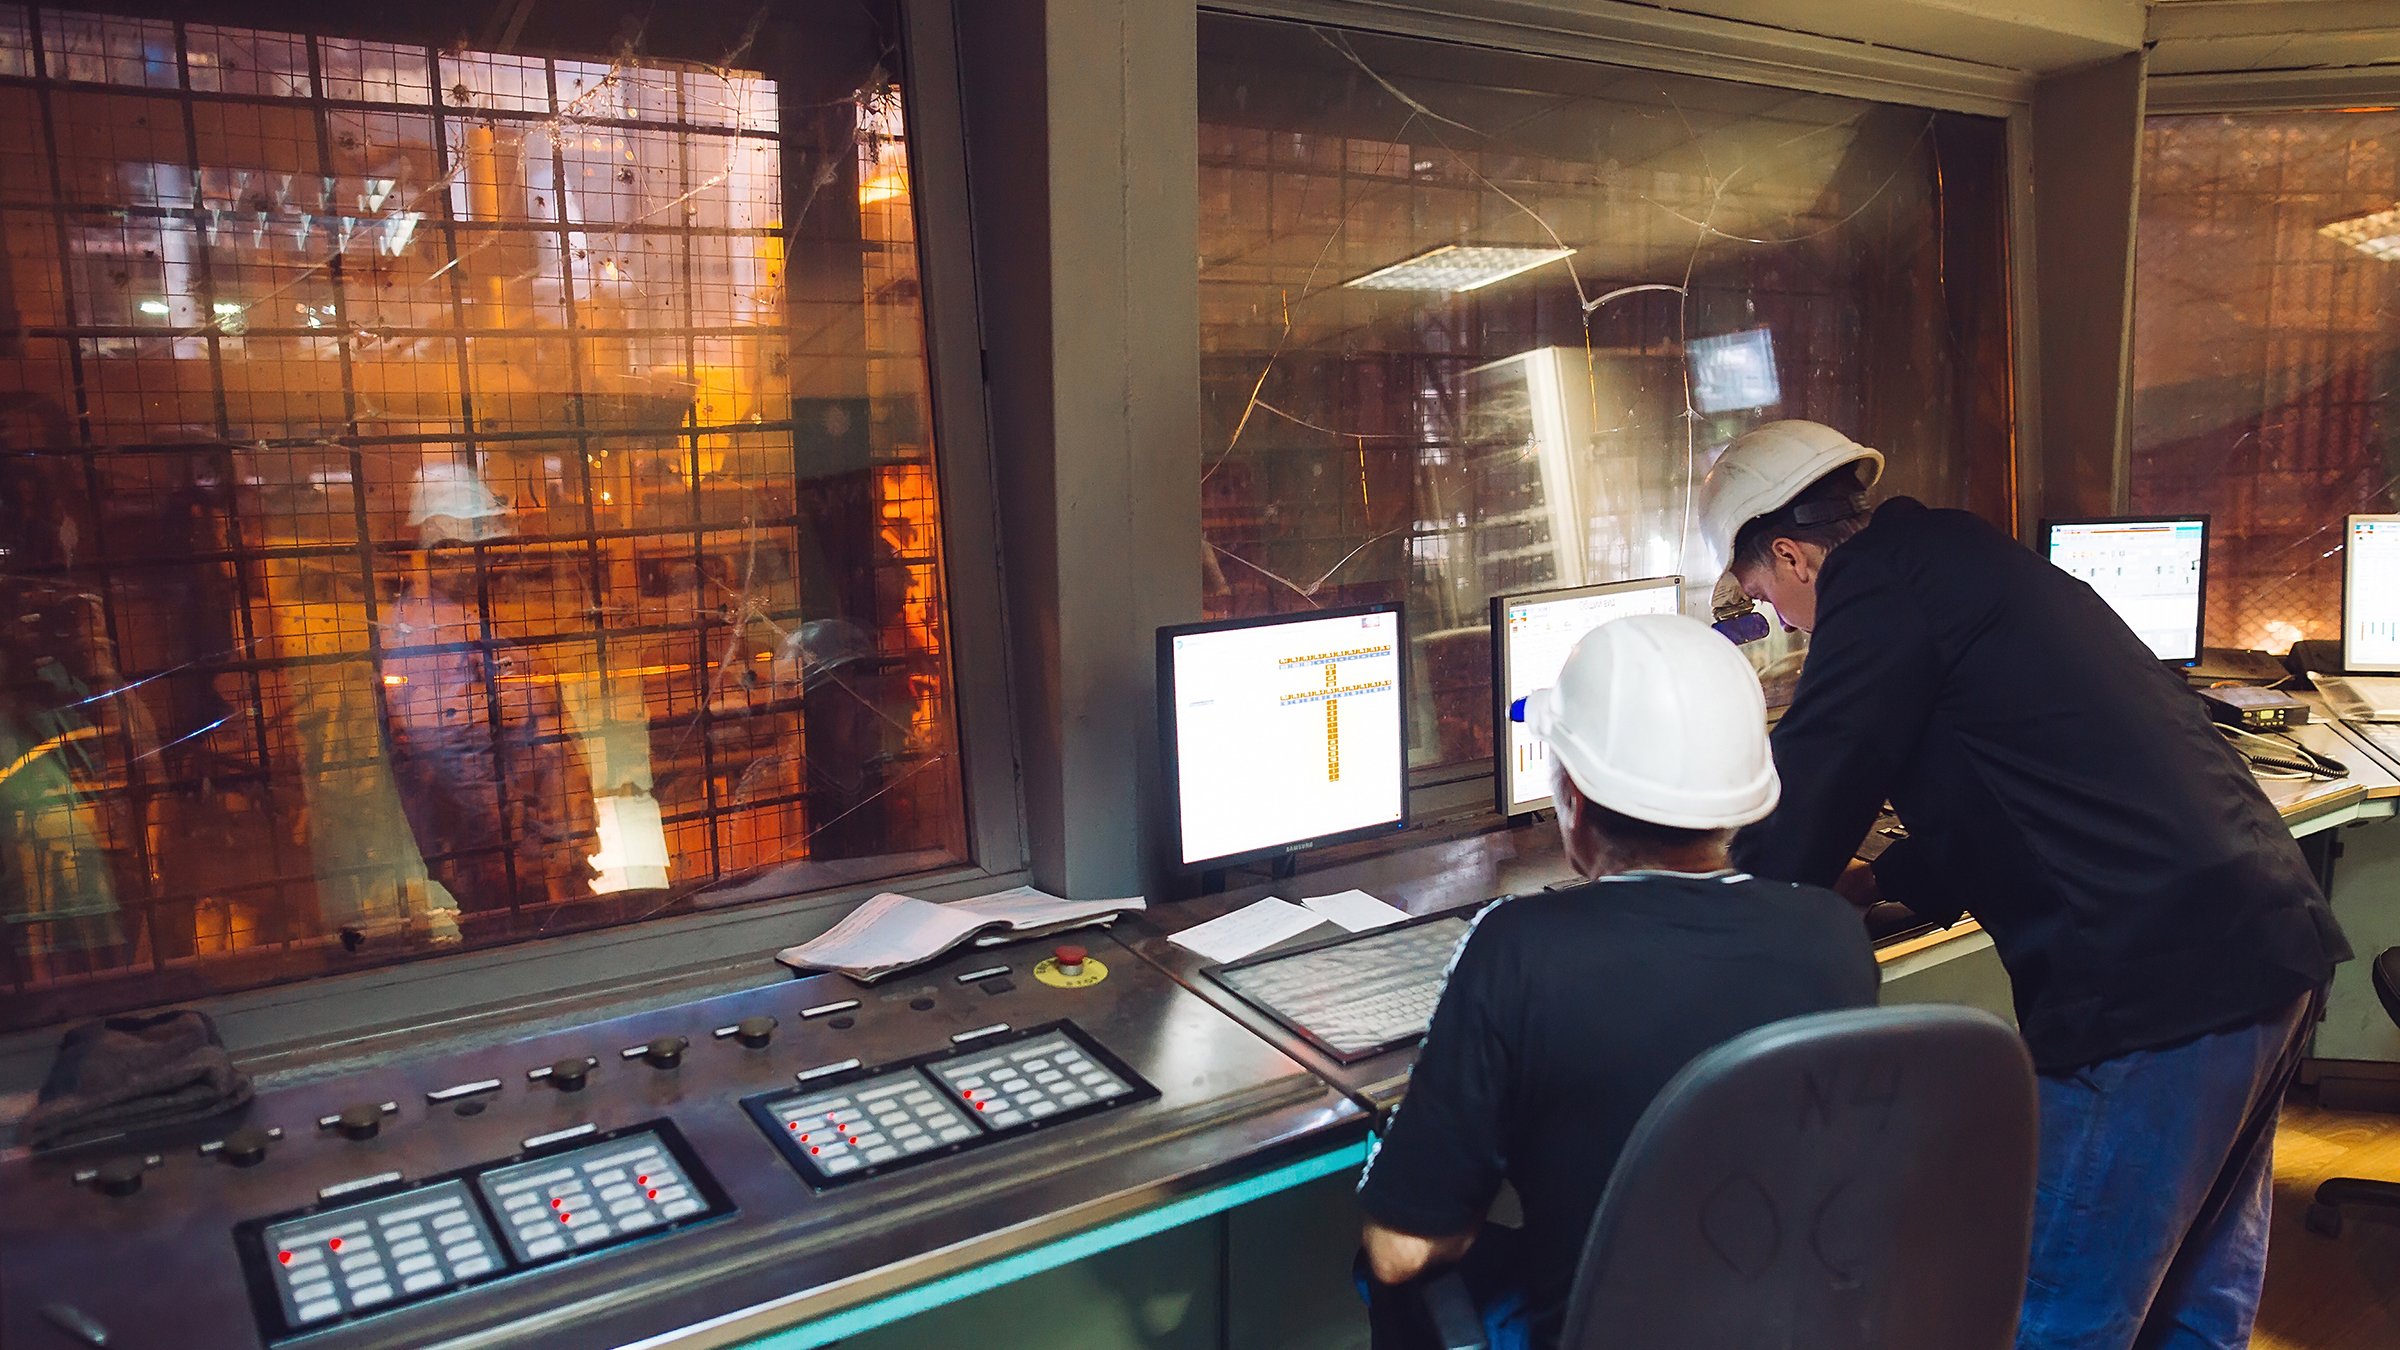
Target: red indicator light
{"x":285,"y":1257}
{"x":558,"y":1204}
{"x":814,"y":1151}
{"x":789,"y":1125}
{"x":334,"y":1245}
{"x":564,"y":1217}
{"x":654,"y":1195}
{"x":645,"y":1180}
{"x":983,"y":1106}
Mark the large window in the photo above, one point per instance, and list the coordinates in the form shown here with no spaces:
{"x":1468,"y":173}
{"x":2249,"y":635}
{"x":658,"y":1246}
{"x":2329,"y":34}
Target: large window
{"x":453,"y":492}
{"x":1474,"y":322}
{"x":2266,"y":368}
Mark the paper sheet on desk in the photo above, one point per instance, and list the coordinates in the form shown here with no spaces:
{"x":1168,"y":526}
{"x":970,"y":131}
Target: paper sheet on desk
{"x":891,"y":931}
{"x":1356,"y":911}
{"x":1252,"y":928}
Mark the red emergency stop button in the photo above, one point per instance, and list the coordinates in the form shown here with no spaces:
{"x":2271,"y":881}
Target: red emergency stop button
{"x":1070,"y":960}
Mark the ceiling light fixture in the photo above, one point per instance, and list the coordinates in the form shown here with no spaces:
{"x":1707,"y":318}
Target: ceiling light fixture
{"x":1458,"y":267}
{"x":2377,"y":235}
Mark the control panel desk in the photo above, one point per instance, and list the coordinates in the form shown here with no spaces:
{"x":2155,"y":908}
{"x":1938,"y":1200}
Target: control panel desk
{"x":1450,"y":876}
{"x":702,"y":1174}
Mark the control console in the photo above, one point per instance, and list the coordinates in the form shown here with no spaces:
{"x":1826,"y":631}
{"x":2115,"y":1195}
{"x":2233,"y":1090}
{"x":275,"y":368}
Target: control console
{"x":765,"y":1157}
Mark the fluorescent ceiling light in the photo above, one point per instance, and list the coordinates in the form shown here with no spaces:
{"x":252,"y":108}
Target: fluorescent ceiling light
{"x":158,"y":307}
{"x":2376,"y":235}
{"x":1458,"y":267}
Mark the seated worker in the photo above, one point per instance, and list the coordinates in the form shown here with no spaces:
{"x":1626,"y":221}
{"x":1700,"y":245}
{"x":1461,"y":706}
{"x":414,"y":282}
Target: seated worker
{"x":1567,"y":1011}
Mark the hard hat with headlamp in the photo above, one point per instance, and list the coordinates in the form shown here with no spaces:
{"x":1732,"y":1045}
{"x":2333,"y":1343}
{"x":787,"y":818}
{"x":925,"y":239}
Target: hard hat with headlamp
{"x":1656,"y":717}
{"x":1766,"y":467}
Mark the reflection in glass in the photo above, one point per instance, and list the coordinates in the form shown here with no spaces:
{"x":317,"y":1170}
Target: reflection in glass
{"x":1474,"y":322}
{"x":2266,"y":363}
{"x":451,"y":495}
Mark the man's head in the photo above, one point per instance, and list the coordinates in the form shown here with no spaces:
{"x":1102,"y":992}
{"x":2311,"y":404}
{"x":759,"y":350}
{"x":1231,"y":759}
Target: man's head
{"x":1658,"y":745}
{"x":1777,"y":501}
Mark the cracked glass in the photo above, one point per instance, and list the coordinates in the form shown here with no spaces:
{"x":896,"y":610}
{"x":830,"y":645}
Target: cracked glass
{"x":453,"y":489}
{"x":1474,"y":322}
{"x":2266,"y":360}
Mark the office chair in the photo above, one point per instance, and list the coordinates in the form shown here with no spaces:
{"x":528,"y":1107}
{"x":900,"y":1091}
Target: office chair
{"x":1857,"y":1180}
{"x":2380,"y":1197}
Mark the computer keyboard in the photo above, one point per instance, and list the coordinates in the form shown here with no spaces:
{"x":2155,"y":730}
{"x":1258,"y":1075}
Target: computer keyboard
{"x":1357,"y":995}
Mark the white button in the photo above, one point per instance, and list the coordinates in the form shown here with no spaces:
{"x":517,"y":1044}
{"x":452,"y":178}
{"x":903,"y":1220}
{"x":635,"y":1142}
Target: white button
{"x":362,"y":1297}
{"x":392,"y":1231}
{"x":545,"y":1246}
{"x":425,"y":1281}
{"x":307,"y":1256}
{"x":475,"y":1266}
{"x":669,"y":1193}
{"x":449,"y":1220}
{"x":1074,"y":1098}
{"x":683,"y":1207}
{"x":905,"y":1130}
{"x":367,"y":1260}
{"x":311,"y":1292}
{"x":408,"y":1248}
{"x":633,"y":1221}
{"x":523,"y":1200}
{"x":956,"y":1133}
{"x":414,"y":1264}
{"x":627,"y":1205}
{"x":1006,"y":1117}
{"x":1043,"y":1108}
{"x":614,"y":1174}
{"x":884,"y":1154}
{"x":324,"y":1307}
{"x":587,"y":1236}
{"x":465,"y":1251}
{"x":616,"y":1192}
{"x":1034,"y":1064}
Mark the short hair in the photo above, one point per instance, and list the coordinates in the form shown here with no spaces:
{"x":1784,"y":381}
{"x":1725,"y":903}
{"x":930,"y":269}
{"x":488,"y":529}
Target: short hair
{"x":1643,"y":837}
{"x":1826,"y":513}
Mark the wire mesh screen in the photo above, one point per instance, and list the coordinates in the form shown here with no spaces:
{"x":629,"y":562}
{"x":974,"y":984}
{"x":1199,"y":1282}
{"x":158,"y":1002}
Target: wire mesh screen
{"x":2267,"y":351}
{"x":452,"y":495}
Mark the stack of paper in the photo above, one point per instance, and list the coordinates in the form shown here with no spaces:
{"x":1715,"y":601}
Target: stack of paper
{"x":892,"y":932}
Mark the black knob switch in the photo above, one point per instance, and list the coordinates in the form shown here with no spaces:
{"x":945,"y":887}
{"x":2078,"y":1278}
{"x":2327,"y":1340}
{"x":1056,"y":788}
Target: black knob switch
{"x":245,"y":1147}
{"x":666,"y":1052}
{"x":568,"y":1075}
{"x":363,"y":1121}
{"x":754,"y":1032}
{"x":119,"y":1176}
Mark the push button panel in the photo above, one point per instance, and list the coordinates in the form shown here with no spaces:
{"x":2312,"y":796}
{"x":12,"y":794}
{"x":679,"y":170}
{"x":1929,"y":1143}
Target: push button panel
{"x":863,"y":1122}
{"x":590,"y":1197}
{"x":363,"y":1257}
{"x":345,"y":1259}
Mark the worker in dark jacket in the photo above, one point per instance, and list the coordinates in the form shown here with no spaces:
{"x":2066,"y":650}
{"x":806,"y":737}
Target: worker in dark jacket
{"x":2166,"y":940}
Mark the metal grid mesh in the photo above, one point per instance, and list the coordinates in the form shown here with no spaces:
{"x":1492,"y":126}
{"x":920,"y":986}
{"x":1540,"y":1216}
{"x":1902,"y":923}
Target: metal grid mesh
{"x":432,"y":505}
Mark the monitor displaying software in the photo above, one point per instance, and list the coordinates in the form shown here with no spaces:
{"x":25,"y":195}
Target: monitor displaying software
{"x":1532,"y":632}
{"x":2150,"y":569}
{"x":2371,"y":596}
{"x":1284,"y":733}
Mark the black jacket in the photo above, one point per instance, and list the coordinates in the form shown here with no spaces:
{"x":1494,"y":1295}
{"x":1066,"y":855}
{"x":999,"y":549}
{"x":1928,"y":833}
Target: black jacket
{"x":2055,"y":779}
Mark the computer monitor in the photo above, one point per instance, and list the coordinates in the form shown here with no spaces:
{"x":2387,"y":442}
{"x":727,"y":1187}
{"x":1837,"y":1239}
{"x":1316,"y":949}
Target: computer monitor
{"x":2152,"y":570}
{"x":1732,"y":372}
{"x":2371,"y":595}
{"x":1284,"y":733}
{"x":1532,"y":632}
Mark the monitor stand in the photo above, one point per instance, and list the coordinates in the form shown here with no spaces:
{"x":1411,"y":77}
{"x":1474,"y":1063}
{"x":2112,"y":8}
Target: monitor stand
{"x":1212,"y":881}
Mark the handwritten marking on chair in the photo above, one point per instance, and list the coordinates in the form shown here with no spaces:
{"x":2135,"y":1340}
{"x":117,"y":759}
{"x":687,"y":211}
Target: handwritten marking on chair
{"x":1740,"y":1224}
{"x":1824,"y":1096}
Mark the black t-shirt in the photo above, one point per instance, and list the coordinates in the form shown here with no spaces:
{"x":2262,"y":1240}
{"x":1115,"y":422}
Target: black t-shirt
{"x":1565,"y":1013}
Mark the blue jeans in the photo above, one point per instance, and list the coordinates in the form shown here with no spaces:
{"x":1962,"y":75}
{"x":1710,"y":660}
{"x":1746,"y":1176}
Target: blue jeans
{"x":2157,"y":1170}
{"x":1395,"y":1315}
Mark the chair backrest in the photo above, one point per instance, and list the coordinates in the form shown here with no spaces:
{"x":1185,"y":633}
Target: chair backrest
{"x":2385,"y":975}
{"x":1858,"y":1180}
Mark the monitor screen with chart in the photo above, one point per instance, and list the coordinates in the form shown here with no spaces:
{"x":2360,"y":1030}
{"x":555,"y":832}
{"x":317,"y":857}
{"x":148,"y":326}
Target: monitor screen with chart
{"x":2371,"y":596}
{"x":1284,"y":733}
{"x":2150,"y":569}
{"x":1532,"y":632}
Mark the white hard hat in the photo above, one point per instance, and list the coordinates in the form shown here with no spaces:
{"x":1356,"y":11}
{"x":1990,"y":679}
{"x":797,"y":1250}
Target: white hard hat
{"x":1658,"y":717}
{"x":1765,"y":468}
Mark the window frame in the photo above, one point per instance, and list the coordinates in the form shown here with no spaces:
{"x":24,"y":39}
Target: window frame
{"x":513,"y":979}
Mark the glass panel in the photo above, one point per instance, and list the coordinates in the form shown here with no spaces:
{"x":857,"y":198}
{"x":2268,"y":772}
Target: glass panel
{"x":452,"y":496}
{"x":2266,"y":361}
{"x":1474,"y":322}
